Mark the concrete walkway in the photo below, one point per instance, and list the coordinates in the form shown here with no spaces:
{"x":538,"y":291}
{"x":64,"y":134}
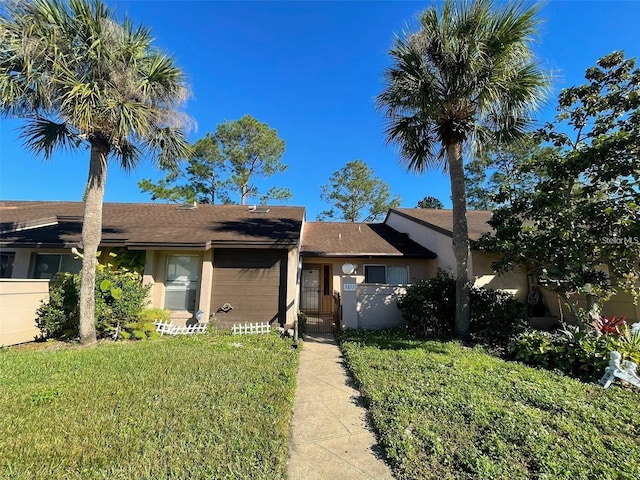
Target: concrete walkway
{"x":330,"y":434}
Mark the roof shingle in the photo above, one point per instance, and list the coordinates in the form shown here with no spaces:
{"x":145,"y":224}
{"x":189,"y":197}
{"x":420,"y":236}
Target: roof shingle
{"x":146,"y":225}
{"x":442,"y":220}
{"x":338,"y":239}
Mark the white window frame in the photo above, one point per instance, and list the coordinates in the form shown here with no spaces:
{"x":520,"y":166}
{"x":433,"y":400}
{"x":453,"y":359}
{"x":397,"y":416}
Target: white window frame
{"x":177,"y":285}
{"x":386,"y":277}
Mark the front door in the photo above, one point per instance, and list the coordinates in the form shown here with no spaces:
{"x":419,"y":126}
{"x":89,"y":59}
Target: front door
{"x":310,"y":299}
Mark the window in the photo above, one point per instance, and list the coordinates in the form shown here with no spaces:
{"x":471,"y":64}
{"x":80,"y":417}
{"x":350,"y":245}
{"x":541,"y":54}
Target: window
{"x":389,"y":274}
{"x":6,"y":264}
{"x":181,"y":282}
{"x":46,"y":265}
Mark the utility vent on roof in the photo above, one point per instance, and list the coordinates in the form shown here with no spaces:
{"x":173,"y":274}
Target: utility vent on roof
{"x":187,"y":206}
{"x":259,"y":209}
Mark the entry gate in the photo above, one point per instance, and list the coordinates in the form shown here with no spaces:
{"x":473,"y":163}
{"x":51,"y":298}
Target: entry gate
{"x":319,"y":321}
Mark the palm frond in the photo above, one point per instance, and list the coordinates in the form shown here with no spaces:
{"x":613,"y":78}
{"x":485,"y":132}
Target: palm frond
{"x":167,"y":146}
{"x":127,"y":153}
{"x":44,"y":136}
{"x":468,"y":71}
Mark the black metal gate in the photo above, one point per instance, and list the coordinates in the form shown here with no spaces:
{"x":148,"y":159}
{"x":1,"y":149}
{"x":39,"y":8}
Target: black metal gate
{"x":317,"y":320}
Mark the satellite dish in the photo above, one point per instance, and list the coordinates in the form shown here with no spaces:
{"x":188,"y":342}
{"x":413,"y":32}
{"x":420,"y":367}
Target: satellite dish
{"x":348,"y":268}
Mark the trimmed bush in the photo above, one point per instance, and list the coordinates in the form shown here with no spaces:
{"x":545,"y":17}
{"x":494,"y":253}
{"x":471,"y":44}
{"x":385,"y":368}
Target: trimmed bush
{"x":429,"y":309}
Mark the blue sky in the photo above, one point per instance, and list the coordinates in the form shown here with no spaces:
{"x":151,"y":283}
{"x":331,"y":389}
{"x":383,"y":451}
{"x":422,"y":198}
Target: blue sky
{"x":311,"y":70}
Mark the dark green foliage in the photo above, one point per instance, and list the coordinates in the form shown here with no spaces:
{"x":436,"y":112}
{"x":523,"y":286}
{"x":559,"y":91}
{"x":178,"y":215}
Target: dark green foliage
{"x":430,"y":202}
{"x":120,"y":298}
{"x":496,"y":316}
{"x":58,"y":318}
{"x":212,"y":406}
{"x":224,"y":166}
{"x":121,"y":312}
{"x":429,"y":306}
{"x":356,"y":194}
{"x":577,"y":352}
{"x":429,"y":309}
{"x":445,"y":411}
{"x":581,"y":210}
{"x":302,"y":324}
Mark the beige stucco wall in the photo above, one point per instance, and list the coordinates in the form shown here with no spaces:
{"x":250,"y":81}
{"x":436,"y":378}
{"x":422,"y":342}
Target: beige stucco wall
{"x":620,"y":305}
{"x":19,"y":300}
{"x":514,"y":282}
{"x":438,"y":243}
{"x":294,"y":267}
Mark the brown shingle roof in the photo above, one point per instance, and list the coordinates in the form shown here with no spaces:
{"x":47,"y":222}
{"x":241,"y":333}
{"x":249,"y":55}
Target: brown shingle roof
{"x":442,"y":220}
{"x":150,"y":225}
{"x":336,"y":239}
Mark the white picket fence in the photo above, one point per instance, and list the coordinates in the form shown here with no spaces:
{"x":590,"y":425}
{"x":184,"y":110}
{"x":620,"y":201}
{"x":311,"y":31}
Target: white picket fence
{"x":239,"y":329}
{"x":167,"y":328}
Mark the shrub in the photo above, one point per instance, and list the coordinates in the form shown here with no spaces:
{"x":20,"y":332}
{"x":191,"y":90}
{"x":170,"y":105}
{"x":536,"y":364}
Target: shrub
{"x":150,"y":315}
{"x":496,"y":316}
{"x":302,"y":324}
{"x":59,"y":317}
{"x":578,"y":352}
{"x":120,"y":298}
{"x":429,"y":309}
{"x":429,"y":306}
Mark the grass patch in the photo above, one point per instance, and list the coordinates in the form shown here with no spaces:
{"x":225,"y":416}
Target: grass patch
{"x":196,"y":407}
{"x":443,"y":411}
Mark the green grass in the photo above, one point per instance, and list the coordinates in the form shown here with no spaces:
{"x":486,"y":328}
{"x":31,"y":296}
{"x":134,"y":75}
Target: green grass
{"x":443,"y":411}
{"x":195,"y":407}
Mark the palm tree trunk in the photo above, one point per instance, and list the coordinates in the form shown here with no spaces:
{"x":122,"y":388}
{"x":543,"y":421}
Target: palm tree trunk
{"x":91,"y":236}
{"x":460,"y":239}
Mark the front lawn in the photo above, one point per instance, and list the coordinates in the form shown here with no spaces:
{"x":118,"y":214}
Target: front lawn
{"x":205,"y":406}
{"x":444,"y":411}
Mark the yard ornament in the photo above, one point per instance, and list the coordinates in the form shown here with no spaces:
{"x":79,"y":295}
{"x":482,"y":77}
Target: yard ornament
{"x":626,"y":371}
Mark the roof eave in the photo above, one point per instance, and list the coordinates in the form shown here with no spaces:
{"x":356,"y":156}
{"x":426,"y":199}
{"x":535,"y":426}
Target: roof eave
{"x":309,"y":253}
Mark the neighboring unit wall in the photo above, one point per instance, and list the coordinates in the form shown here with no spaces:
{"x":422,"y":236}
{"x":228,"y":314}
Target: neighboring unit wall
{"x":22,"y":267}
{"x":419,"y":269}
{"x":19,"y":300}
{"x":620,"y":305}
{"x":438,"y":243}
{"x":514,"y":282}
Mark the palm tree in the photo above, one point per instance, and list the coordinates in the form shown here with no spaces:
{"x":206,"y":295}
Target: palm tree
{"x":467,"y":75}
{"x":79,"y":78}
